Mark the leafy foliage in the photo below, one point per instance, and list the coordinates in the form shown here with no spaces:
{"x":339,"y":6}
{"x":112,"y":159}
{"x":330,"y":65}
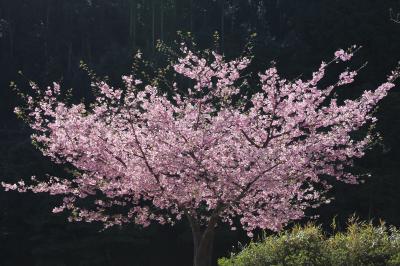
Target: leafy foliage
{"x":361,"y":244}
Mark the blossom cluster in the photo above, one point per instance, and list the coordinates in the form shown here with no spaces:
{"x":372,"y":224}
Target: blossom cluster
{"x":161,"y":157}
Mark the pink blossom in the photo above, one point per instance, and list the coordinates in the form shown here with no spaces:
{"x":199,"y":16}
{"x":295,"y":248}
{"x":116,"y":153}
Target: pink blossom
{"x":342,"y":55}
{"x":346,"y":77}
{"x":257,"y":159}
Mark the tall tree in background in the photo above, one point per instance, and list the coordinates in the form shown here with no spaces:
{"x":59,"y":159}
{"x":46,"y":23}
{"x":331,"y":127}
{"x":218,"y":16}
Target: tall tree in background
{"x":222,"y":29}
{"x":133,"y":5}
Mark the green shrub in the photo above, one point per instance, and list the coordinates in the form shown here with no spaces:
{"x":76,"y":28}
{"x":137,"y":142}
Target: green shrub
{"x":364,"y":244}
{"x":360,"y":244}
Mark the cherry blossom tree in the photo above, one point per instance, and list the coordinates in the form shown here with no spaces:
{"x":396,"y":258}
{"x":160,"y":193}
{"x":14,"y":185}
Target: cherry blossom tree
{"x":208,"y":153}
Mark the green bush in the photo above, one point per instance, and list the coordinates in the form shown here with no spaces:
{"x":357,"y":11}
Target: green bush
{"x":361,"y":244}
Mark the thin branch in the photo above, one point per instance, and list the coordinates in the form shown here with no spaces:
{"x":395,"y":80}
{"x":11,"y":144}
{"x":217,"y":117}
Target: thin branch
{"x":248,"y":186}
{"x":250,"y":139}
{"x":156,"y":176}
{"x":394,"y":17}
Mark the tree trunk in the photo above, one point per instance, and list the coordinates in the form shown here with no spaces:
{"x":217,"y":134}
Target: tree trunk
{"x":153,"y":26}
{"x":203,"y":240}
{"x":162,"y":20}
{"x":203,"y":252}
{"x":70,"y":54}
{"x":222,"y":24}
{"x":47,"y":33}
{"x":132,"y":23}
{"x":11,"y":39}
{"x":191,"y":15}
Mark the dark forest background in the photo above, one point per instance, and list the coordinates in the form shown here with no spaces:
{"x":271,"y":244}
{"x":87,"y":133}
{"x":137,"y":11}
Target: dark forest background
{"x":46,"y":39}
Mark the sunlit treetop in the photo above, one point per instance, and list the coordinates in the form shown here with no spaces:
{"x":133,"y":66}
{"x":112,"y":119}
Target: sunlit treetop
{"x":209,"y":152}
